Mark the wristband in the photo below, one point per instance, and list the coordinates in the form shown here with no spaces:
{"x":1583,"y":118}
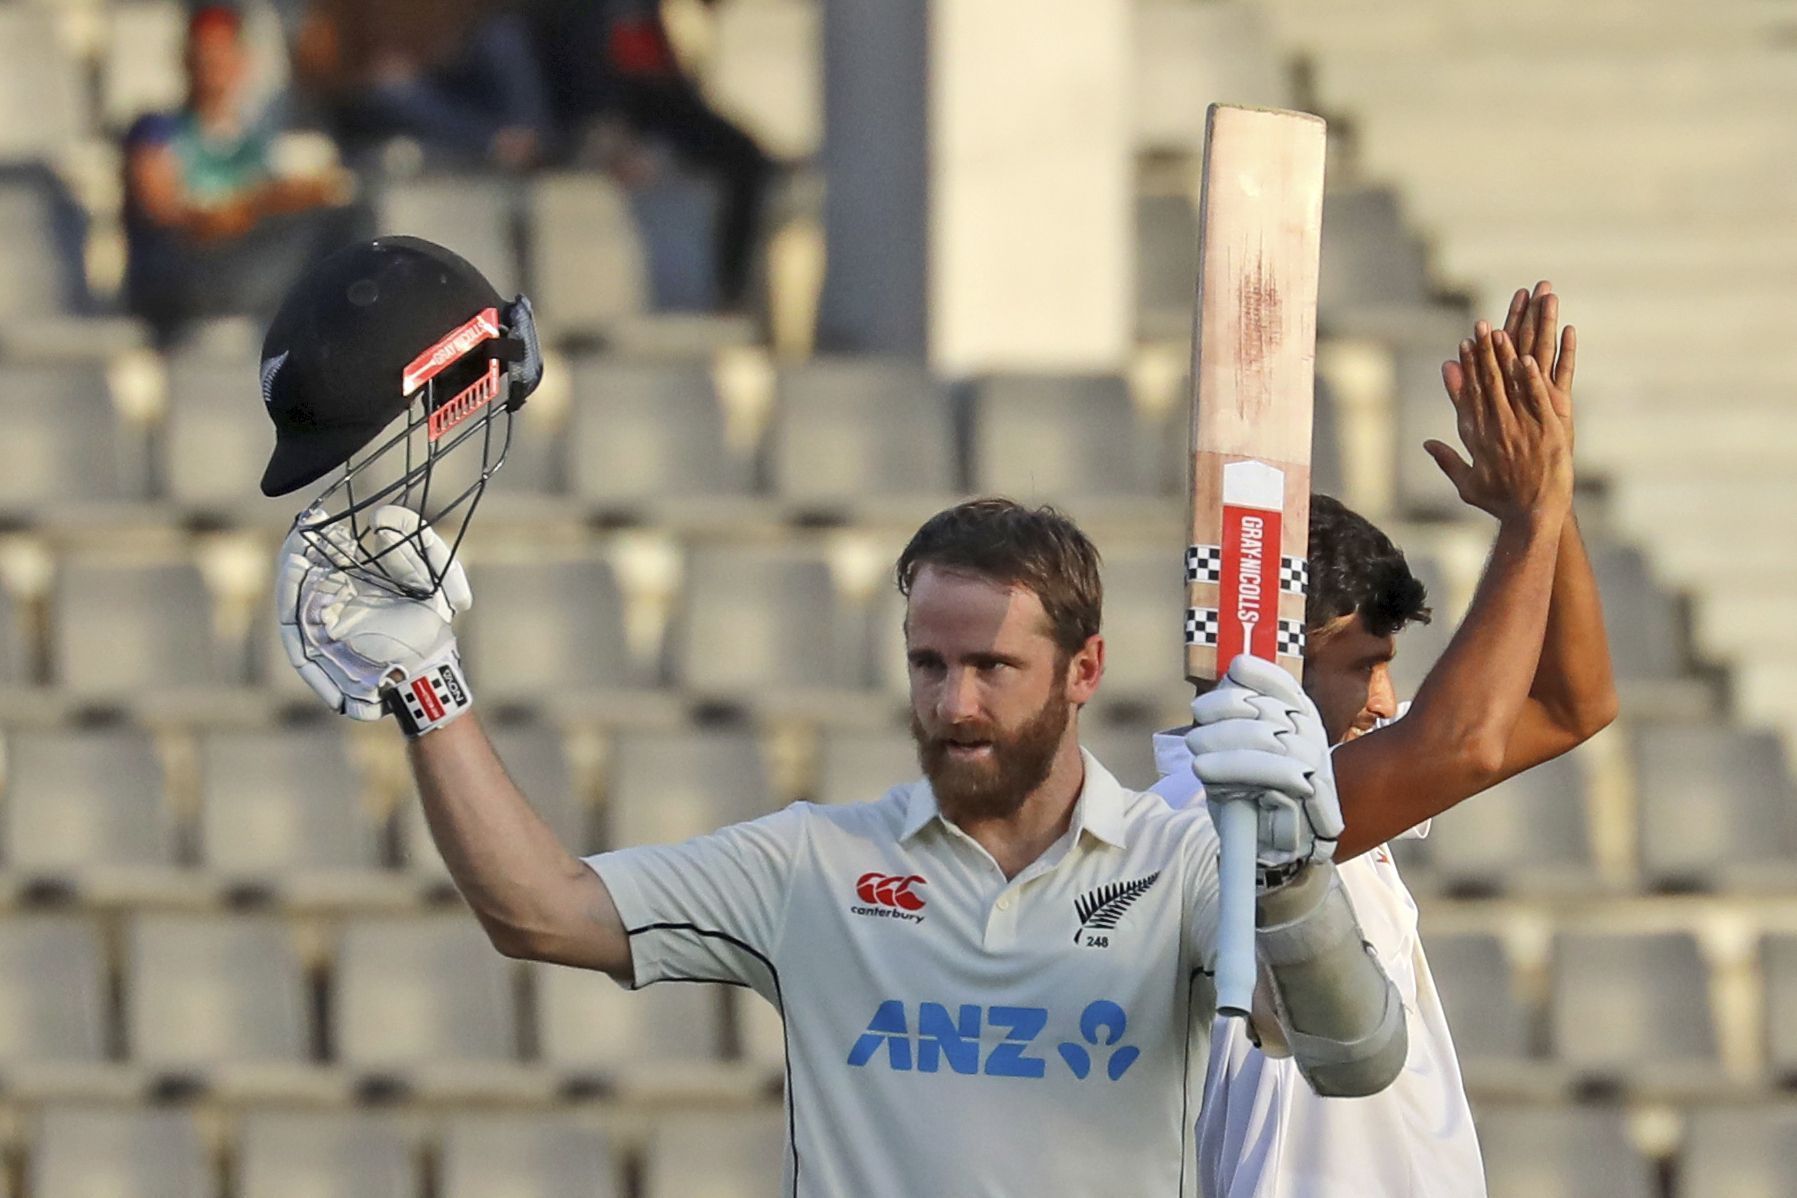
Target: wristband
{"x":431,"y":698}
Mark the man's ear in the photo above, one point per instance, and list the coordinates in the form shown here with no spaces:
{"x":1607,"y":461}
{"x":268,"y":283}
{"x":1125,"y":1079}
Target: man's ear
{"x":1085,"y":669}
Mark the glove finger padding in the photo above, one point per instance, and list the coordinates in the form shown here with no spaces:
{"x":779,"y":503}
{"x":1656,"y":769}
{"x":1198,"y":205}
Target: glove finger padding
{"x":1231,"y":735}
{"x":398,"y":535}
{"x":1254,"y":771}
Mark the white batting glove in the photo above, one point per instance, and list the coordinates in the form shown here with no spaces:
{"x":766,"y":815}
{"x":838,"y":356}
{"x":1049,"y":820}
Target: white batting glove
{"x":1260,"y":740}
{"x":362,"y":649}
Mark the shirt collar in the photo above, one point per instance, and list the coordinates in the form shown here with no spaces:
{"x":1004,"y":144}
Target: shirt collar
{"x":1099,"y":809}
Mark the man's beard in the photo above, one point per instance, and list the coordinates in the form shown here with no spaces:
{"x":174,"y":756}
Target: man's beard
{"x":994,"y":788}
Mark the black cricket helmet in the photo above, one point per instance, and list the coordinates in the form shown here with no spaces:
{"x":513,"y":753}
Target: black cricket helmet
{"x":396,"y":362}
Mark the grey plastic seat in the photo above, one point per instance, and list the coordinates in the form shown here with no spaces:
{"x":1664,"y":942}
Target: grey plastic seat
{"x":38,"y":250}
{"x":336,"y":1154}
{"x":282,"y":800}
{"x":43,"y":99}
{"x":666,"y":787}
{"x":1472,"y":975}
{"x":536,"y":760}
{"x":716,"y":1155}
{"x":1369,"y":255}
{"x":1144,"y":618}
{"x":63,"y":441}
{"x":119,"y":1152}
{"x":546,"y":627}
{"x":641,"y":432}
{"x":587,"y":1022}
{"x":204,"y":991}
{"x":1779,"y":967}
{"x":216,"y":436}
{"x":1065,"y":437}
{"x":846,"y":429}
{"x":859,"y":766}
{"x":587,"y":265}
{"x":1740,"y":1152}
{"x":84,"y":799}
{"x":52,"y":990}
{"x":410,"y":993}
{"x":1647,"y":636}
{"x":1712,"y":801}
{"x":526,"y":1156}
{"x":1529,"y":833}
{"x":1562,"y":1152}
{"x":1632,"y":1006}
{"x":472,"y":215}
{"x":122,"y":628}
{"x":1166,"y":264}
{"x":763,"y":620}
{"x":140,"y":61}
{"x":1185,"y":57}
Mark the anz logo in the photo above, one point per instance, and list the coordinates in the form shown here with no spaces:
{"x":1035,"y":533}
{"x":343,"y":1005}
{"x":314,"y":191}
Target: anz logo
{"x":941,"y":1037}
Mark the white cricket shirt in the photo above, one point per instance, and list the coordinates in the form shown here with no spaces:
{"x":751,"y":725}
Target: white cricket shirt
{"x":950,"y":1034}
{"x":1264,"y":1133}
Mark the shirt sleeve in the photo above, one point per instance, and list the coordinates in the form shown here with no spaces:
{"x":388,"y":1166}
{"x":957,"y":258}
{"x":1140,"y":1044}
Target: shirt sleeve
{"x":711,"y":909}
{"x":151,"y":129}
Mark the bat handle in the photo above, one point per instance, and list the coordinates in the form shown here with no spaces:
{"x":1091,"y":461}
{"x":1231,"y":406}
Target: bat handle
{"x":1236,"y":834}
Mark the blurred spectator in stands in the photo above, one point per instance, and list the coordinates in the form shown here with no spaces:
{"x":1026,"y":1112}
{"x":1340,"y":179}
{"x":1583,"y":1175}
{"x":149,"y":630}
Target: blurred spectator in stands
{"x":615,"y":73}
{"x":462,"y":78}
{"x":212,"y":230}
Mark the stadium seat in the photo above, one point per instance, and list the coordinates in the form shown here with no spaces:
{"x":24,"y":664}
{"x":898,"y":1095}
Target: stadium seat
{"x":644,"y":432}
{"x":1166,"y":265}
{"x":205,"y":992}
{"x":1562,"y":1152}
{"x":1739,"y":1152}
{"x":336,"y":1154}
{"x":526,"y":1156}
{"x":763,"y":623}
{"x":1062,"y":437}
{"x":473,"y":214}
{"x":716,"y":1155}
{"x":63,"y":443}
{"x":1144,"y":613}
{"x":216,"y":440}
{"x":1715,"y":806}
{"x":847,"y":430}
{"x":1185,"y":57}
{"x":546,"y":628}
{"x":1529,"y":833}
{"x":1369,"y":256}
{"x":536,"y":760}
{"x":859,"y":765}
{"x":140,"y":60}
{"x":1647,"y":635}
{"x":666,"y":787}
{"x":39,"y":246}
{"x":411,"y":993}
{"x":1634,"y":1008}
{"x":587,"y":265}
{"x":1472,"y":974}
{"x":587,"y":1023}
{"x":84,"y":800}
{"x":126,"y":629}
{"x":86,"y":1152}
{"x":43,"y":100}
{"x":279,"y":801}
{"x":1779,"y":967}
{"x":53,"y":991}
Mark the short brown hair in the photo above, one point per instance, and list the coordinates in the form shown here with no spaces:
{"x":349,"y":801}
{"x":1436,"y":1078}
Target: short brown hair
{"x":1036,"y":548}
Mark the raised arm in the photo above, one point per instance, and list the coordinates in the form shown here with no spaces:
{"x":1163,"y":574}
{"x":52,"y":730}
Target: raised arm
{"x":535,"y":899}
{"x":1480,"y":716}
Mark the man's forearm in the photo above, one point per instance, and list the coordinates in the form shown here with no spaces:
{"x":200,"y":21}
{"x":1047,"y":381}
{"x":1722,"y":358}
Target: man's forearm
{"x":534,"y":898}
{"x":1455,"y":740}
{"x":1574,"y":682}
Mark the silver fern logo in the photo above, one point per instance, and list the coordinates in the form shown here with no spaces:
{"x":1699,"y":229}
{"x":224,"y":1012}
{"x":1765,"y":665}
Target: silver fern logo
{"x":1100,"y":909}
{"x":270,"y":368}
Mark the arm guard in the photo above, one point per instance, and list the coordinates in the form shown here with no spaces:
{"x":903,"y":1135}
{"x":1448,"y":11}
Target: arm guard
{"x":1342,"y":1017}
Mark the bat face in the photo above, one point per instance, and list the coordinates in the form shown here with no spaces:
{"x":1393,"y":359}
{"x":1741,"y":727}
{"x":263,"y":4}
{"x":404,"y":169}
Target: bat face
{"x":1253,"y":378}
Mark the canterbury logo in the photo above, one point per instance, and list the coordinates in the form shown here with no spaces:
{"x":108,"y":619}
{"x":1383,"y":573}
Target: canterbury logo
{"x":270,"y":368}
{"x":1103,"y":907}
{"x":891,"y":890}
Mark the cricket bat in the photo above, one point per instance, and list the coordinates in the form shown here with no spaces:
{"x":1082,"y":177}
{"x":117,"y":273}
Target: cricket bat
{"x":1253,"y":373}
